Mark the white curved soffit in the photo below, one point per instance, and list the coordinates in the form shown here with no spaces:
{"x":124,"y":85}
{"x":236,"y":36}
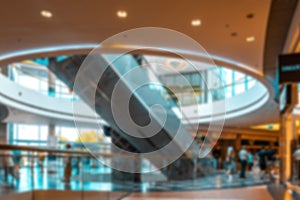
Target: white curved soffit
{"x":85,"y":48}
{"x":18,"y":97}
{"x":267,"y":92}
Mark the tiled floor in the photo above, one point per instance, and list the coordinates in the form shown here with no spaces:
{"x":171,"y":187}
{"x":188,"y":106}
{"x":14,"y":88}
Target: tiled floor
{"x":251,"y":193}
{"x":218,"y":186}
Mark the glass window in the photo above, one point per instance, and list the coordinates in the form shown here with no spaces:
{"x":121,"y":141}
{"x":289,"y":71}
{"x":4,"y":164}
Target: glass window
{"x":251,"y":83}
{"x":28,"y":82}
{"x":28,"y":132}
{"x":239,"y":83}
{"x":227,"y":75}
{"x":228,"y":91}
{"x":44,"y":133}
{"x":196,"y":79}
{"x":23,"y":134}
{"x":238,"y":77}
{"x":239,"y":88}
{"x":67,"y":134}
{"x":35,"y":77}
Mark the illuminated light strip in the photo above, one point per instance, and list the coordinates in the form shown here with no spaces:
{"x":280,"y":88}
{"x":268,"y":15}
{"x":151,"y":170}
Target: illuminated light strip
{"x":120,"y":46}
{"x":46,"y":49}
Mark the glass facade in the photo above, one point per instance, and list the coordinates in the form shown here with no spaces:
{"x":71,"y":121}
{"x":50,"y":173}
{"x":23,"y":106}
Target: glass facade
{"x":234,"y":83}
{"x":38,"y":78}
{"x":33,"y":74}
{"x":186,"y":88}
{"x":38,"y":135}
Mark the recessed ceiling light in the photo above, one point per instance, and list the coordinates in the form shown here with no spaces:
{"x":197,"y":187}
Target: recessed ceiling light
{"x":46,"y":13}
{"x":196,"y":22}
{"x":250,"y":39}
{"x":122,"y":14}
{"x":250,"y":15}
{"x":233,"y":34}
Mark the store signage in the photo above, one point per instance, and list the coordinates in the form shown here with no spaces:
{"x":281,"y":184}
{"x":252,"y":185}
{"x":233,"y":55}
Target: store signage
{"x":289,"y":68}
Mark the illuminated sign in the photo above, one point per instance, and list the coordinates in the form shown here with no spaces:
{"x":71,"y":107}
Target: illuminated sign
{"x":289,"y":68}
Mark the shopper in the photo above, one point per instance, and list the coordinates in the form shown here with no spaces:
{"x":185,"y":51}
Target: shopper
{"x":262,"y":161}
{"x":68,"y":166}
{"x":250,"y":160}
{"x":296,"y":156}
{"x":41,"y":158}
{"x":270,"y":156}
{"x":8,"y":164}
{"x":230,"y":162}
{"x":17,"y":159}
{"x":243,"y":156}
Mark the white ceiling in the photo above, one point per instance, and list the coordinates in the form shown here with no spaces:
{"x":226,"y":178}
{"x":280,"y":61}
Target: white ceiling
{"x":92,"y":21}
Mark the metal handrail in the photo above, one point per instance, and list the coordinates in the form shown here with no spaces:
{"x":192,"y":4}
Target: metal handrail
{"x":85,"y":153}
{"x":38,"y":149}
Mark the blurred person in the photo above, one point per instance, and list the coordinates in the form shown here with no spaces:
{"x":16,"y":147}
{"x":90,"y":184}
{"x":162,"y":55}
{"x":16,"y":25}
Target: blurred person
{"x":230,"y":162}
{"x":276,"y":168}
{"x":250,"y":160}
{"x":212,"y":162}
{"x":255,"y":168}
{"x":68,"y":166}
{"x":262,"y":161}
{"x":296,"y":156}
{"x":270,"y":157}
{"x":8,"y":165}
{"x":77,"y":164}
{"x":220,"y":161}
{"x":17,"y":159}
{"x":215,"y":161}
{"x":243,"y":157}
{"x":41,"y":159}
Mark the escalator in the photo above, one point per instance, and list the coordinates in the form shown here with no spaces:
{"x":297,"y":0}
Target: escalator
{"x":125,"y":92}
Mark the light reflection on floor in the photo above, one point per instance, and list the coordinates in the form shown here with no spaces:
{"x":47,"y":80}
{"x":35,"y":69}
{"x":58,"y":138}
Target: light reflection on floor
{"x":99,"y":179}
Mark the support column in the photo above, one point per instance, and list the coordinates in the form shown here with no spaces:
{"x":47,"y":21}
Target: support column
{"x":4,"y":70}
{"x":3,"y":133}
{"x":51,"y":78}
{"x":52,"y":138}
{"x":286,"y":137}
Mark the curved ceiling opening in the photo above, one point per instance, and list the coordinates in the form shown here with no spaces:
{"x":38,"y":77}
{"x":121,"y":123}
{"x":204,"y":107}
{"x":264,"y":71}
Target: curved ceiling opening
{"x":241,"y":92}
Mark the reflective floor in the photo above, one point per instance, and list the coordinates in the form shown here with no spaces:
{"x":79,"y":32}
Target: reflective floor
{"x":153,"y":186}
{"x":99,"y":179}
{"x":257,"y":193}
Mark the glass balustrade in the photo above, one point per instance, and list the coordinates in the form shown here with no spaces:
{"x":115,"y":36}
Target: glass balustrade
{"x":36,"y":78}
{"x":33,"y":170}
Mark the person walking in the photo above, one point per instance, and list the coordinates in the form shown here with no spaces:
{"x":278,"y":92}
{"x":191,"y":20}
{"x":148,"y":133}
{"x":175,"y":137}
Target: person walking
{"x":68,"y":166}
{"x":250,"y":161}
{"x":262,"y":161}
{"x":243,"y":156}
{"x":270,"y":158}
{"x":8,"y":165}
{"x":296,"y":156}
{"x":230,"y":162}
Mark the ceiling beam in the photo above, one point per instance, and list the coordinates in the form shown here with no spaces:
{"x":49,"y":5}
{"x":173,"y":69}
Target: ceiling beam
{"x":280,"y":18}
